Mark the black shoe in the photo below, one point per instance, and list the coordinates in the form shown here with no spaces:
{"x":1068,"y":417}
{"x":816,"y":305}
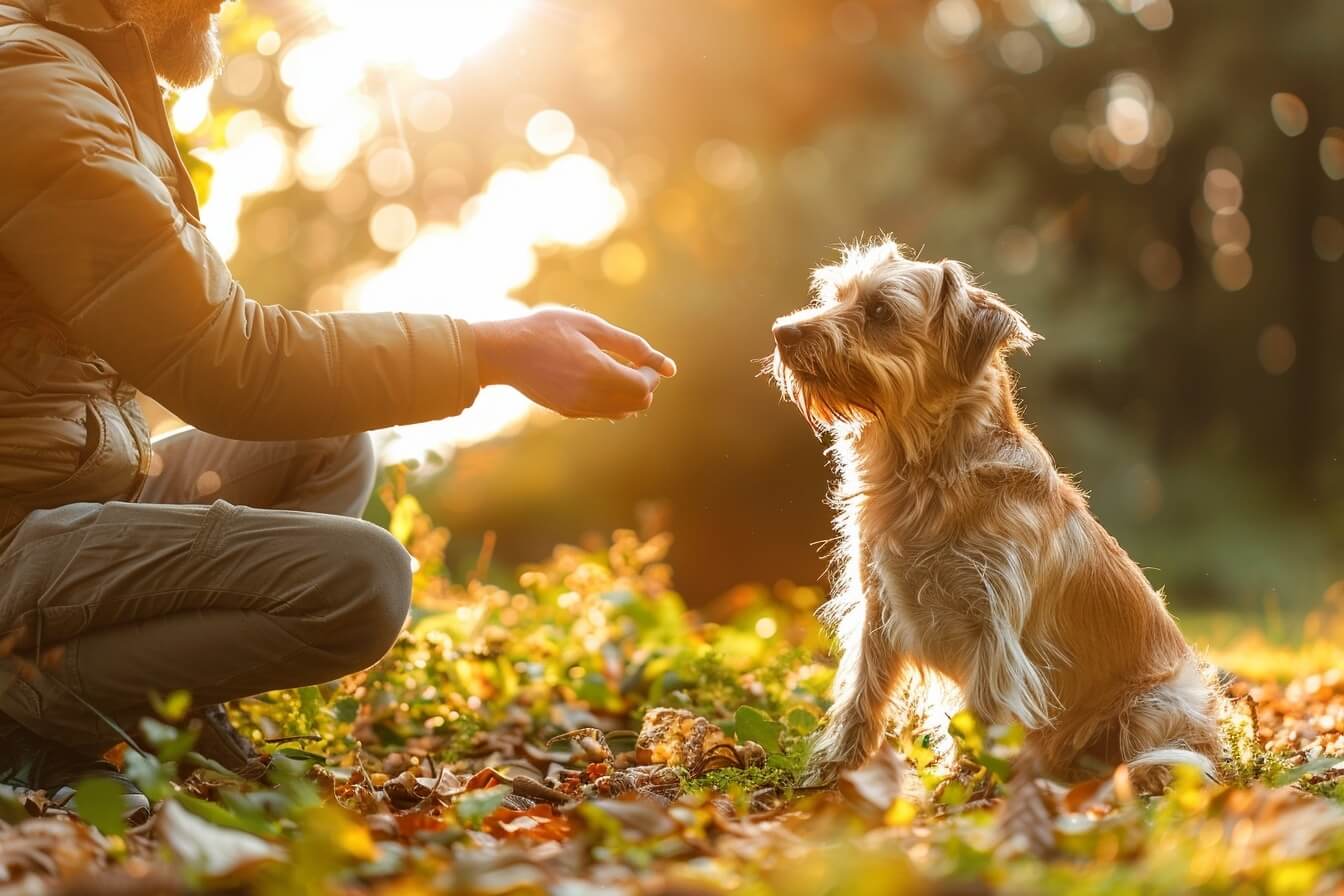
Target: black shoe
{"x":220,"y":742}
{"x":29,"y":763}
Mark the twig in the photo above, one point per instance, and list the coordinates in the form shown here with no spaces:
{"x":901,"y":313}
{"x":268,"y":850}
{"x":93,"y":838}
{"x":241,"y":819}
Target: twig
{"x":484,"y":557}
{"x":535,"y":790}
{"x":433,"y":791}
{"x":291,"y":738}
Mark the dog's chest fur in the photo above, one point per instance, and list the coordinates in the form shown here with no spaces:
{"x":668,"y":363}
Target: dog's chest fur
{"x":957,"y":556}
{"x":916,"y":552}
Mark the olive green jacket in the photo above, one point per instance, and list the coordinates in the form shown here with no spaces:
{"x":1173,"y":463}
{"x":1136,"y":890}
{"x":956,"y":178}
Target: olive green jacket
{"x":108,"y":284}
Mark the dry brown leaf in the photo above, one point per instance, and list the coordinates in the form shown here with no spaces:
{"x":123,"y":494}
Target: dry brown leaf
{"x":878,"y":782}
{"x":539,"y":823}
{"x":678,"y":738}
{"x":49,"y":849}
{"x":486,"y":777}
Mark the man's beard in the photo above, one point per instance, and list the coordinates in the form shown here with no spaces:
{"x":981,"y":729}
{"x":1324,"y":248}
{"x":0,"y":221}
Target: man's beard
{"x":181,"y":35}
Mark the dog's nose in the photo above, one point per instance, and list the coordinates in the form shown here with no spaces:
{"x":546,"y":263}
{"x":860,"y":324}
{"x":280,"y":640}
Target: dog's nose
{"x":788,"y":335}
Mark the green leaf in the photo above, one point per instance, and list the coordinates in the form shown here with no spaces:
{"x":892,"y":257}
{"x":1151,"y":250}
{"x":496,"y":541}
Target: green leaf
{"x":475,"y":805}
{"x":345,"y":709}
{"x":1321,"y":764}
{"x":173,"y":707}
{"x":11,"y":811}
{"x":1000,"y":768}
{"x":594,"y":691}
{"x":149,"y":774}
{"x":226,"y":817}
{"x":311,"y":705}
{"x":801,"y":720}
{"x":293,"y":762}
{"x":170,"y":743}
{"x":404,"y":515}
{"x":752,"y":724}
{"x":99,"y":802}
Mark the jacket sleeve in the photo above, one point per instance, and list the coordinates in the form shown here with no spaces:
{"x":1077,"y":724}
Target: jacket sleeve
{"x":97,"y":239}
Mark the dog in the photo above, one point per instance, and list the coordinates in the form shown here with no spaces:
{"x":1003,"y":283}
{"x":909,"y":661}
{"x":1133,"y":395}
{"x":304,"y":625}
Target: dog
{"x":961,"y":549}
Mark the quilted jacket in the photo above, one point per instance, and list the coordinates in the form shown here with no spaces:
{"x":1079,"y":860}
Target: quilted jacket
{"x":109,"y":285}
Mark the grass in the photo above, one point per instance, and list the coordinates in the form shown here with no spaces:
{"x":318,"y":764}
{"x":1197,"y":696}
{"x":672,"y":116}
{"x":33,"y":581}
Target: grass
{"x":414,"y":776}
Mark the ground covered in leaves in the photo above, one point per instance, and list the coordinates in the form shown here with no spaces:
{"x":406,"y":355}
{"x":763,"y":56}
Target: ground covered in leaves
{"x":581,"y":732}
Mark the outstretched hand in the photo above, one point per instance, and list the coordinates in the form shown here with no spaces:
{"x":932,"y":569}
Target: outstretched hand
{"x":572,"y":362}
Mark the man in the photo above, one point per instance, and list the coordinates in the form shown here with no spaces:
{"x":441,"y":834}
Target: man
{"x":227,"y":560}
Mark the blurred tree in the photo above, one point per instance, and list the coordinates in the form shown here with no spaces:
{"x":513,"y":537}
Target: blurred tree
{"x":1158,"y":188}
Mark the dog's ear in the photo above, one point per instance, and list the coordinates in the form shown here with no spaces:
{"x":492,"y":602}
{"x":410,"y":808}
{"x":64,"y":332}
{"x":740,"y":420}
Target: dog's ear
{"x":987,"y":329}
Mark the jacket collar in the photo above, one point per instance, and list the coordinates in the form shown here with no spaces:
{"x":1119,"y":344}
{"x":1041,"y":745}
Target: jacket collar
{"x":82,"y":15}
{"x":121,"y":48}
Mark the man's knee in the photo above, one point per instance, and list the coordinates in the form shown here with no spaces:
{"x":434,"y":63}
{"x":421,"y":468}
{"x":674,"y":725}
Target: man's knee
{"x":373,"y":574}
{"x":357,"y":464}
{"x":361,"y":456}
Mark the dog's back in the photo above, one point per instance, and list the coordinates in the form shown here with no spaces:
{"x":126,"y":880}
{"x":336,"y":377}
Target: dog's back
{"x":1129,"y":685}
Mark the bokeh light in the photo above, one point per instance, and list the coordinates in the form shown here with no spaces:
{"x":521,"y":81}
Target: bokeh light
{"x":1327,"y":238}
{"x":1021,"y":52}
{"x":392,"y":227}
{"x":854,"y":22}
{"x":1276,"y":349}
{"x":1289,"y":112}
{"x":1332,"y":153}
{"x":512,"y":154}
{"x":443,"y":35}
{"x":1155,"y":15}
{"x":1232,"y":268}
{"x":624,"y":263}
{"x":361,"y":87}
{"x":1160,"y":265}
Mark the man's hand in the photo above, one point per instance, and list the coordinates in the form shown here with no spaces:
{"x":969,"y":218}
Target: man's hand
{"x":572,"y":362}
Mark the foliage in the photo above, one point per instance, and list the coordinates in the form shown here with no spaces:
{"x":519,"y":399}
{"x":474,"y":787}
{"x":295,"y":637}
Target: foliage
{"x":1202,"y":413}
{"x":492,"y":752}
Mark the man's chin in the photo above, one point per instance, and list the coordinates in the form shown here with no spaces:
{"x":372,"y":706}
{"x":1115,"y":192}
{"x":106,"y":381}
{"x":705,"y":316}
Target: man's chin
{"x":188,"y":56}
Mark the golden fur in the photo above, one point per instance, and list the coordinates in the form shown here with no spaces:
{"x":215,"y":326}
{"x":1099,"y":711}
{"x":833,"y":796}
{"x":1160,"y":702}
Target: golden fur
{"x":962,"y":549}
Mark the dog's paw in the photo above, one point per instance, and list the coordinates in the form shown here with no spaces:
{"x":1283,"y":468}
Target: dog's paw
{"x":819,"y":774}
{"x":1026,"y":822}
{"x":831,"y":755}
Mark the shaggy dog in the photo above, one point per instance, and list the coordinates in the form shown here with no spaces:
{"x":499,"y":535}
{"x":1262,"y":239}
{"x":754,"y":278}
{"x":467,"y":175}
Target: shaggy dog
{"x":962,"y":549}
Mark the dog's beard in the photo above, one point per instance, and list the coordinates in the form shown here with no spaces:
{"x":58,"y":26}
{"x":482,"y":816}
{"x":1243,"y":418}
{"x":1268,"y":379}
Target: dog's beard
{"x":826,"y":398}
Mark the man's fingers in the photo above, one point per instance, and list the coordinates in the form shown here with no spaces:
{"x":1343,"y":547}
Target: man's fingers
{"x":627,"y":390}
{"x":651,"y":376}
{"x":631,"y":346}
{"x":630,"y":382}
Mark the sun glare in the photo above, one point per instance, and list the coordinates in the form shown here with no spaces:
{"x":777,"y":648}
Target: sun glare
{"x":433,"y":36}
{"x":353,"y":76}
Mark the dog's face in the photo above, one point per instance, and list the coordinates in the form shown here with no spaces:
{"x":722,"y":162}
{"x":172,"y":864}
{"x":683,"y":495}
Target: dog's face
{"x":886,"y":333}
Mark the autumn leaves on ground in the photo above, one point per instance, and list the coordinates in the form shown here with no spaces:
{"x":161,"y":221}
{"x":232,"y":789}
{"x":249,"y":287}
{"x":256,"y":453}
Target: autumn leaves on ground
{"x":580,"y":732}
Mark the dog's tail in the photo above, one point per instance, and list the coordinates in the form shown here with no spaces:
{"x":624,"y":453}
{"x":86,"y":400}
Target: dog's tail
{"x":1175,"y":723}
{"x":1155,"y":765}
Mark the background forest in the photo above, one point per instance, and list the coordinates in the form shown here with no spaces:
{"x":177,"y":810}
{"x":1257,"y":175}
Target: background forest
{"x":1157,"y":186}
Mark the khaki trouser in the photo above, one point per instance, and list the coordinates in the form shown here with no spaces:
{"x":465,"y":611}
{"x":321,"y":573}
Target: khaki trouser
{"x":243,"y":568}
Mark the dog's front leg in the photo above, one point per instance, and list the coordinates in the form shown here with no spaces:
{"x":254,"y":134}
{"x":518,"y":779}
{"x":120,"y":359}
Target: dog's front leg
{"x":867,"y":675}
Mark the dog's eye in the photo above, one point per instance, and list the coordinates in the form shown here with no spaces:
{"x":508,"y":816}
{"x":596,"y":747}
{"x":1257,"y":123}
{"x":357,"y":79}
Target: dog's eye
{"x":880,"y":312}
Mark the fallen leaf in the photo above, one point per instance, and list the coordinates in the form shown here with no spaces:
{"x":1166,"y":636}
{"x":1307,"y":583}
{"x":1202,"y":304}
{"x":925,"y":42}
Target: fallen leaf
{"x":677,"y":738}
{"x":539,"y":823}
{"x":208,"y":849}
{"x":878,"y":782}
